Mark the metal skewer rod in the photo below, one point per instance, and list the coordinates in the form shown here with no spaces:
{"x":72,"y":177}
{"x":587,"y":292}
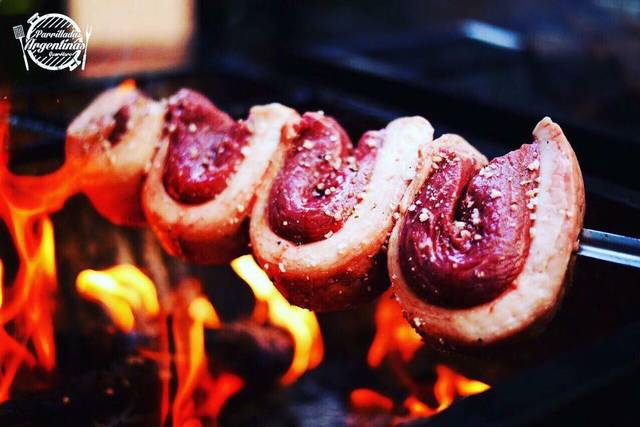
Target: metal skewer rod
{"x":610,"y":247}
{"x":595,"y":244}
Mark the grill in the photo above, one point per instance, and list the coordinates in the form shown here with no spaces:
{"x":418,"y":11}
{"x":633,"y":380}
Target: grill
{"x":582,"y":369}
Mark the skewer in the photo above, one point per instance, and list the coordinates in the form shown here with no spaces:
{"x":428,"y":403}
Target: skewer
{"x":610,"y":247}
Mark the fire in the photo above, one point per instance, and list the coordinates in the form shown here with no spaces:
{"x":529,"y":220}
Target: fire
{"x":127,"y":294}
{"x":1,"y":281}
{"x":192,"y":370}
{"x":122,"y":290}
{"x":393,"y":333}
{"x":45,"y":193}
{"x":397,"y":342}
{"x":129,"y":298}
{"x":127,"y":85}
{"x":447,"y":388}
{"x":27,"y":306}
{"x":302,"y":324}
{"x":417,"y":408}
{"x":365,"y":399}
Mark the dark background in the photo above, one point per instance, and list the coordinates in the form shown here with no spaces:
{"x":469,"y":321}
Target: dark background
{"x":578,"y":59}
{"x":486,"y":69}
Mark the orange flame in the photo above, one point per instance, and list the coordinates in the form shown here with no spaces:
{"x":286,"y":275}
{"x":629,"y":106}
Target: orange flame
{"x":1,"y":281}
{"x":45,"y":193}
{"x":126,"y":294}
{"x":364,"y":399}
{"x":393,"y":333}
{"x":397,"y":341}
{"x":418,"y":408}
{"x":448,"y":386}
{"x":122,"y":290}
{"x":192,"y":370}
{"x":127,"y":85}
{"x":29,"y":304}
{"x":302,"y":324}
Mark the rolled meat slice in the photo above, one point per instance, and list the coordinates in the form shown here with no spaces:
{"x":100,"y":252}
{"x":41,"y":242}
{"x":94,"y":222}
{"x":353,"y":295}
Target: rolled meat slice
{"x":201,"y":186}
{"x":482,"y":250}
{"x":109,"y":148}
{"x":325,"y":210}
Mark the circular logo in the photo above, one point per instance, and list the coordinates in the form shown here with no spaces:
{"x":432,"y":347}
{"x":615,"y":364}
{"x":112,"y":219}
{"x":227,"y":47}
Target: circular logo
{"x":54,"y":42}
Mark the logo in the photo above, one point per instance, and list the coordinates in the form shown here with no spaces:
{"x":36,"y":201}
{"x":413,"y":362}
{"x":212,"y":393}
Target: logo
{"x":53,"y":42}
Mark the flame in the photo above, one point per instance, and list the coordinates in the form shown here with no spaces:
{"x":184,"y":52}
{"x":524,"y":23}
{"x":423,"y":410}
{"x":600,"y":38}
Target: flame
{"x":1,"y":281}
{"x":393,"y":333}
{"x":365,"y":399}
{"x":28,"y":305}
{"x":127,"y":85}
{"x":130,"y":298}
{"x":125,"y":292}
{"x":190,"y":354}
{"x":463,"y":385}
{"x":122,"y":290}
{"x":447,"y":388}
{"x":397,"y":342}
{"x":302,"y":324}
{"x":45,"y":193}
{"x":192,"y":370}
{"x":417,"y":408}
